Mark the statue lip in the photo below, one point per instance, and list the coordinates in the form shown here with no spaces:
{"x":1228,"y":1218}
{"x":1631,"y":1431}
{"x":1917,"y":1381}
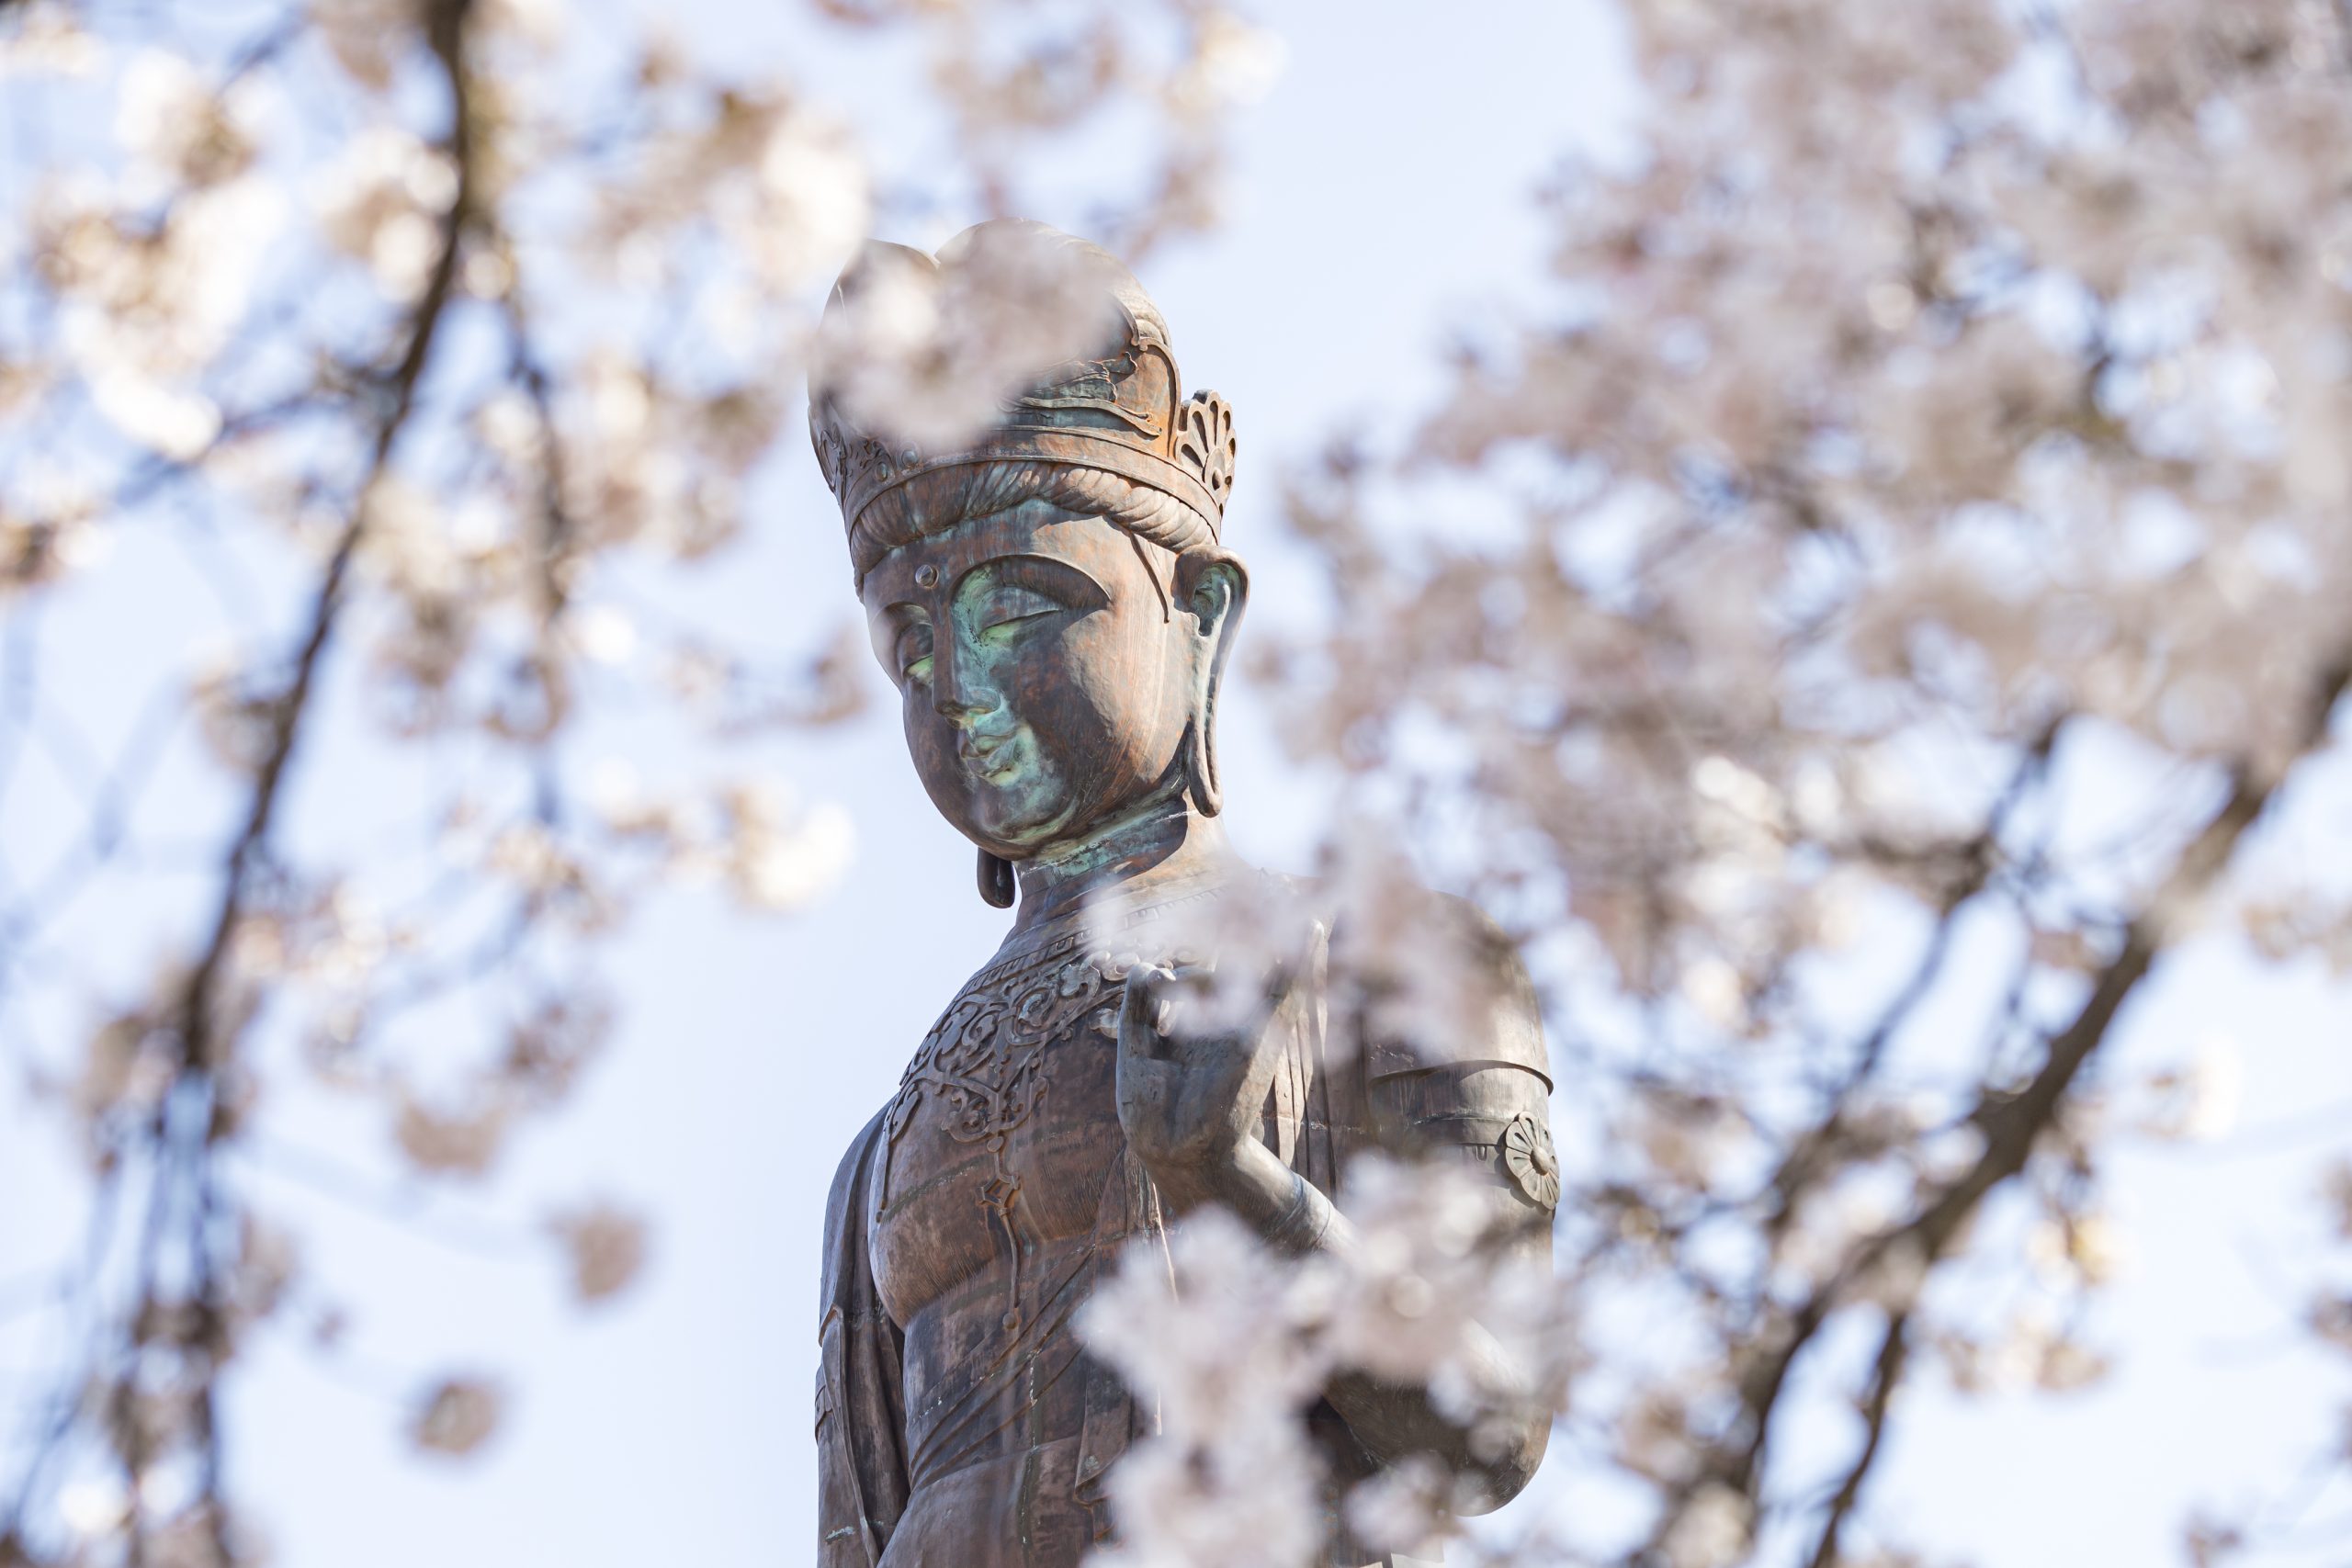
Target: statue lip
{"x":978,"y":753}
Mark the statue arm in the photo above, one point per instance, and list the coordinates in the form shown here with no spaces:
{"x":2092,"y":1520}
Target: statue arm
{"x":841,"y":1539}
{"x":1441,"y":1112}
{"x":1191,"y":1107}
{"x":1462,"y":1112}
{"x":861,"y":1483}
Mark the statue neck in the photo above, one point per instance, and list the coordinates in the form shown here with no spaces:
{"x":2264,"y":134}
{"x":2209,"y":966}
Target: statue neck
{"x":1164,"y":842}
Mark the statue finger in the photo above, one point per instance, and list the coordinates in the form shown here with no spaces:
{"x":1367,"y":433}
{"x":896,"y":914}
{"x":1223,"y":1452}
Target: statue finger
{"x":1145,"y":1011}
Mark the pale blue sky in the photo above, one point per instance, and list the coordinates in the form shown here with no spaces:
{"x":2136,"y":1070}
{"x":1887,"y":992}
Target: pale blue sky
{"x":1383,"y":197}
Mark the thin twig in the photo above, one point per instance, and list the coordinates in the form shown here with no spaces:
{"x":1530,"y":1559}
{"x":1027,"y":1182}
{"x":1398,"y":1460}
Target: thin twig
{"x":1894,"y":1351}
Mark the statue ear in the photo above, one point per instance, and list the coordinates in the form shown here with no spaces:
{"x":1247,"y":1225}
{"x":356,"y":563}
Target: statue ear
{"x":1215,"y":587}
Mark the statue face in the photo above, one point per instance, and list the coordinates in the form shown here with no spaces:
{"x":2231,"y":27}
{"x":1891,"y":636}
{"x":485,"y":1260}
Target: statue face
{"x":1047,"y":680}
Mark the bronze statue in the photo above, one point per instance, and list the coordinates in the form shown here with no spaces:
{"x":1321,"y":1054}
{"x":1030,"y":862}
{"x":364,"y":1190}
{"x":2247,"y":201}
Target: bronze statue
{"x":1053,"y":602}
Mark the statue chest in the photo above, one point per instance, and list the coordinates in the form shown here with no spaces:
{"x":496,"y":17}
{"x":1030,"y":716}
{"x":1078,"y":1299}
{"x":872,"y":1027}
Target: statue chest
{"x":1001,"y":1138}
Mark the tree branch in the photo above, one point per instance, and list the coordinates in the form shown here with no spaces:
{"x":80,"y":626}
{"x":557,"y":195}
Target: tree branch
{"x":187,"y":1120}
{"x":1893,"y":1351}
{"x":2013,"y":1122}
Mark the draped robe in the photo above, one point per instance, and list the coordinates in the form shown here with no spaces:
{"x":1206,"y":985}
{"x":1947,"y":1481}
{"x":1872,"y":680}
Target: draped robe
{"x":959,"y":1422}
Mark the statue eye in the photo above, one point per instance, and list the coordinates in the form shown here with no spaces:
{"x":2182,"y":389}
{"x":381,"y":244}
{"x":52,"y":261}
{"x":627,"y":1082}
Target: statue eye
{"x":913,"y":653}
{"x":1008,"y":604}
{"x":996,"y":599}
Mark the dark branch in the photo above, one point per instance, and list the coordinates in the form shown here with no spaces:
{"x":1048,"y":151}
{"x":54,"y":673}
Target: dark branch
{"x":2013,"y":1123}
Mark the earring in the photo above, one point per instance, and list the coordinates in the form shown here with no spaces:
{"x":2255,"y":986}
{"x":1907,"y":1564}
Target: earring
{"x":996,"y":880}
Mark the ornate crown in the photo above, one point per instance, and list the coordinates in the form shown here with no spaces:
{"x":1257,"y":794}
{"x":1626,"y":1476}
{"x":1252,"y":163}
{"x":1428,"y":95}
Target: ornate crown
{"x":1119,"y":409}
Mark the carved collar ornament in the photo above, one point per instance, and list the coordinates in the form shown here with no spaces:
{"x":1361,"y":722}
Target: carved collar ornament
{"x":1119,"y":409}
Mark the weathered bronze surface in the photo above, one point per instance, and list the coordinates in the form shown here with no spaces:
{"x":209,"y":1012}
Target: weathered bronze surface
{"x":1052,"y":602}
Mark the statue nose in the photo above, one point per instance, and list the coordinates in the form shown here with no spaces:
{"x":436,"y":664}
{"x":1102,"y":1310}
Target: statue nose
{"x":952,"y":696}
{"x":958,"y":708}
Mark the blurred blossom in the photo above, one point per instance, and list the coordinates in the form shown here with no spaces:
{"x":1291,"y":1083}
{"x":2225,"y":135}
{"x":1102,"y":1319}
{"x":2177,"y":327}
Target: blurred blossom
{"x":1232,"y":1342}
{"x":1210,"y":1331}
{"x":1414,"y":965}
{"x":2076,"y":1247}
{"x":813,"y":205}
{"x":383,"y":201}
{"x":1409,"y":1304}
{"x":2335,"y":1190}
{"x":2200,"y":1102}
{"x":604,"y":634}
{"x":169,"y":118}
{"x":1405,"y":1502}
{"x":539,"y":22}
{"x":92,"y":1507}
{"x":144,"y":307}
{"x":1265,"y":918}
{"x":781,"y":857}
{"x":1711,"y":1531}
{"x":781,"y":182}
{"x":930,"y":354}
{"x":236,"y":713}
{"x":36,"y":551}
{"x":457,"y":1417}
{"x":367,"y":37}
{"x":268,"y":1262}
{"x":1233,"y":64}
{"x":127,"y":1065}
{"x":426,"y":536}
{"x":414,"y":543}
{"x":535,"y":860}
{"x":450,"y":1142}
{"x":1927,"y":443}
{"x":1946,"y":401}
{"x":606,"y":1248}
{"x":45,"y":41}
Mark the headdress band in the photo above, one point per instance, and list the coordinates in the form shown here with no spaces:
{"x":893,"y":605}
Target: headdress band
{"x":1118,"y":412}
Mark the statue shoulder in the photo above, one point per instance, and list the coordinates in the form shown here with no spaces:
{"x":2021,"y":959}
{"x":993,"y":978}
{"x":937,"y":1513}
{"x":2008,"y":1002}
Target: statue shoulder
{"x":1441,"y":985}
{"x":844,"y":1207}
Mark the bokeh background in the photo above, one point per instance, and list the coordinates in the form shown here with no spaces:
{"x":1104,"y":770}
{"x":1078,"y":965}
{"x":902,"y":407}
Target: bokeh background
{"x":1383,"y":207}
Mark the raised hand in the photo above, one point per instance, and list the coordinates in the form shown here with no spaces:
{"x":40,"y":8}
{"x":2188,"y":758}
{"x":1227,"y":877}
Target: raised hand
{"x":1192,"y":1086}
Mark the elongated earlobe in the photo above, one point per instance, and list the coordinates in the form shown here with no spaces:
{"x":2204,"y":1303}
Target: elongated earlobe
{"x":1200,"y":766}
{"x":996,"y":880}
{"x":1217,"y":588}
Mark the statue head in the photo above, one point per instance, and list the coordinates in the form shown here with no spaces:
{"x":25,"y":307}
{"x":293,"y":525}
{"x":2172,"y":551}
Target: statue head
{"x":1048,"y":593}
